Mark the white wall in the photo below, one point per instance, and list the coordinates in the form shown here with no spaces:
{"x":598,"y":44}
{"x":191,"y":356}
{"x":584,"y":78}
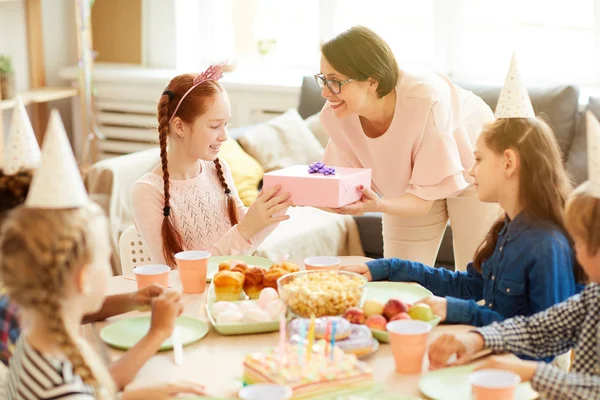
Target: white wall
{"x":60,"y":45}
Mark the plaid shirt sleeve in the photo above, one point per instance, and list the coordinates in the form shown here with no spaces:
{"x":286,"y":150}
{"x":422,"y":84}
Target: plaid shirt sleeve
{"x":548,"y":333}
{"x":553,"y":383}
{"x":9,"y":327}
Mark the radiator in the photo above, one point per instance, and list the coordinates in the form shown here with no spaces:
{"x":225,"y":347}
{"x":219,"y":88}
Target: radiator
{"x":126,"y":100}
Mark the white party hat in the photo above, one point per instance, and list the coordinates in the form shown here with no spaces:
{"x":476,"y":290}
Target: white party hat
{"x":22,"y":151}
{"x":514,"y":100}
{"x":593,"y":152}
{"x":57,"y":183}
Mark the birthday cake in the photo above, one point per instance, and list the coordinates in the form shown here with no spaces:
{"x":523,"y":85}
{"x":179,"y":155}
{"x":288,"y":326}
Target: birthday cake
{"x":319,"y":185}
{"x":320,"y":373}
{"x":351,"y":338}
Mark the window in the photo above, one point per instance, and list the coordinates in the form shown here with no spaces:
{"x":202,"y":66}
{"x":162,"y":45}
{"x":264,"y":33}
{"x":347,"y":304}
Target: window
{"x":406,"y":25}
{"x":281,"y":33}
{"x":554,"y":40}
{"x":465,"y":39}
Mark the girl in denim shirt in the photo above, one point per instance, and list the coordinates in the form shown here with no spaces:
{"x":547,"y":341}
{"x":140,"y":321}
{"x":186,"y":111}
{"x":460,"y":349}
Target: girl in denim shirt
{"x":526,"y":263}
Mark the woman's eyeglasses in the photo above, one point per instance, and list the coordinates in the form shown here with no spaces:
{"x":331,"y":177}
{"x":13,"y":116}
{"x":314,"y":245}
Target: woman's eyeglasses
{"x":333,"y":85}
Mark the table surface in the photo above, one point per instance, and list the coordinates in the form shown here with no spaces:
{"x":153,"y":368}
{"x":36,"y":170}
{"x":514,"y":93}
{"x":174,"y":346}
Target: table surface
{"x":216,"y":360}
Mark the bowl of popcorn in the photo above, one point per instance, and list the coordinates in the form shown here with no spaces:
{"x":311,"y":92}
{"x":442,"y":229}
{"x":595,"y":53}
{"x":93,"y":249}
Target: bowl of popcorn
{"x":321,"y":293}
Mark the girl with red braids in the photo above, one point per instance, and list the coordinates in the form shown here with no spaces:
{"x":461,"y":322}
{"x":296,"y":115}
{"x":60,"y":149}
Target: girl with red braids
{"x":189,"y":201}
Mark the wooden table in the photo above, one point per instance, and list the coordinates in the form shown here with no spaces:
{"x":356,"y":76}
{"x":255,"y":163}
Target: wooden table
{"x":216,"y":361}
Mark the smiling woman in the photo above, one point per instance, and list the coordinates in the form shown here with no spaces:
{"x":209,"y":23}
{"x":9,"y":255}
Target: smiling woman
{"x":416,"y":132}
{"x":189,"y":201}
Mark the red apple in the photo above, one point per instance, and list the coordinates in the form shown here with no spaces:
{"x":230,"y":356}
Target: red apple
{"x":355,"y":315}
{"x":393,"y":307}
{"x":402,"y":315}
{"x":376,"y":322}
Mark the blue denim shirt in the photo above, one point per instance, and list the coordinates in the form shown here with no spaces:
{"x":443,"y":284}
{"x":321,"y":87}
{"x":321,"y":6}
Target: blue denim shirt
{"x":530,"y":270}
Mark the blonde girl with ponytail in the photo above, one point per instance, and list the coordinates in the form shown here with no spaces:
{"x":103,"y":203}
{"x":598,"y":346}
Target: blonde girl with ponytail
{"x":55,"y":265}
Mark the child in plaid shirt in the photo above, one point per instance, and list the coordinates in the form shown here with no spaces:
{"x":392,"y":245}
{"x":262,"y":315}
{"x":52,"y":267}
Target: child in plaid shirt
{"x":572,"y":324}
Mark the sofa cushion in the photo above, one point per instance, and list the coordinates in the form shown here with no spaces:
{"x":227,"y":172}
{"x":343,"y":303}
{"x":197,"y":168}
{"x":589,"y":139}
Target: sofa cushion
{"x":577,"y":160}
{"x":311,"y":101}
{"x":556,"y":105}
{"x":316,"y":126}
{"x":370,"y":228}
{"x":281,"y":142}
{"x":245,"y":170}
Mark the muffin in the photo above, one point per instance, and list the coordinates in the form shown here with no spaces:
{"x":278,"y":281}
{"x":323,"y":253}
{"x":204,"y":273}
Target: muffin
{"x":229,"y":265}
{"x":224,"y":266}
{"x":253,"y":282}
{"x":271,"y":276}
{"x":240,"y":267}
{"x":288,"y":266}
{"x":228,"y":285}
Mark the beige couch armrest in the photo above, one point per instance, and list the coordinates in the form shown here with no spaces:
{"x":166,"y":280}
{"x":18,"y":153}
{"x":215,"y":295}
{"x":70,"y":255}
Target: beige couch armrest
{"x":109,"y":183}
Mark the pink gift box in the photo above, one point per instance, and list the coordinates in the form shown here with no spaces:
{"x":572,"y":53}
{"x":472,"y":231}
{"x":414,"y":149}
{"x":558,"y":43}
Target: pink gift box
{"x":318,"y":190}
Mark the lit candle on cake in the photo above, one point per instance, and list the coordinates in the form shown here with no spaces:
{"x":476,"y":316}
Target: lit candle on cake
{"x":311,"y":336}
{"x":301,"y":342}
{"x":333,"y":340}
{"x":282,"y":339}
{"x":327,"y":336}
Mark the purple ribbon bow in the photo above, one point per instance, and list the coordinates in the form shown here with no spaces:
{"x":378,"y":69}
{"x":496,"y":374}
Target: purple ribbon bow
{"x":320,"y":167}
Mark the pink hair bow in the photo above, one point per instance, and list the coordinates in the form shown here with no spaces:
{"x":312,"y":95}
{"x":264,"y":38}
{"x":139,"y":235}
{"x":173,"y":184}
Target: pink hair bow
{"x":212,"y":73}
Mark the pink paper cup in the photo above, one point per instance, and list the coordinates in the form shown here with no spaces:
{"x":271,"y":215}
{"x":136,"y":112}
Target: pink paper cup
{"x":494,"y":384}
{"x":322,"y":263}
{"x":192,"y":266}
{"x":146,"y":275}
{"x":408,"y":339}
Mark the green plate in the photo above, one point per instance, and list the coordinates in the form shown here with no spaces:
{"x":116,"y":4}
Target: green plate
{"x":384,"y":336}
{"x":407,"y":292}
{"x":124,"y":334}
{"x":213,"y":263}
{"x":376,"y":391}
{"x":237,"y":328}
{"x":453,"y":384}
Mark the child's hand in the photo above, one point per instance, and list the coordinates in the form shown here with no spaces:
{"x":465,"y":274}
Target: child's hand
{"x":262,"y":212}
{"x":512,"y":363}
{"x":439,"y":306}
{"x":359,"y":269}
{"x":446,"y":346}
{"x":143,"y":297}
{"x":165,"y":310}
{"x":164,"y":392}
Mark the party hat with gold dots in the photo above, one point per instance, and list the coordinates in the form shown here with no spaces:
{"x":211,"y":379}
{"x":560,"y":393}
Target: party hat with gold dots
{"x":514,"y":100}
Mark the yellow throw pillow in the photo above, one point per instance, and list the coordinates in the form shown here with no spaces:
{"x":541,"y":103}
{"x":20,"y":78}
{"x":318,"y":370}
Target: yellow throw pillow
{"x":246,"y":171}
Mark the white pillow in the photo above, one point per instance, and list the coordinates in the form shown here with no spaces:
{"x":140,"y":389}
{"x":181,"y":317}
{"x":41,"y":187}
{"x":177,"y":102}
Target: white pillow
{"x":281,"y":142}
{"x":314,"y":124}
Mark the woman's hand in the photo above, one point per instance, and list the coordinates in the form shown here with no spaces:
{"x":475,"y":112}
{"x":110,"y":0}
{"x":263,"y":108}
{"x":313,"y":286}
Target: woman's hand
{"x":439,"y":306}
{"x":164,"y":392}
{"x":510,"y":362}
{"x":369,"y":202}
{"x":463,"y":346}
{"x":359,"y":269}
{"x":269,"y":208}
{"x":165,"y":310}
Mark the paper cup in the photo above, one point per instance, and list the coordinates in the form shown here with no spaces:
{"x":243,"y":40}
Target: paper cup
{"x":146,"y":275}
{"x":494,"y":384}
{"x":192,"y":270}
{"x":408,"y":339}
{"x":322,"y":263}
{"x":265,"y":391}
